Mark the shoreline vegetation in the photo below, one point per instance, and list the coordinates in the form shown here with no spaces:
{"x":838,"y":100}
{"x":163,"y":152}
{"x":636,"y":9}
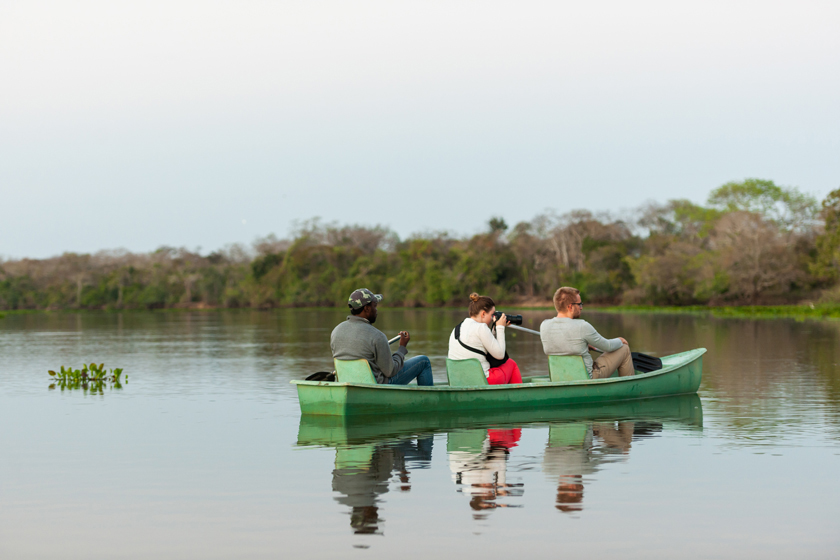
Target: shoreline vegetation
{"x":807,"y":311}
{"x":793,"y":311}
{"x":754,"y":249}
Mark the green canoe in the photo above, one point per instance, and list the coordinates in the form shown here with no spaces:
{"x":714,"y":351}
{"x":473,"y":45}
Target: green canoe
{"x":357,"y":393}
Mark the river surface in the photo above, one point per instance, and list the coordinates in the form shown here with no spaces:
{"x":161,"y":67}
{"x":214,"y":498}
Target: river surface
{"x":203,"y":452}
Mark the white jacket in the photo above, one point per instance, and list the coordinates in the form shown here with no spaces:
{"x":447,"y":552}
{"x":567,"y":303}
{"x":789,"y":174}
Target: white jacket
{"x":479,"y":336}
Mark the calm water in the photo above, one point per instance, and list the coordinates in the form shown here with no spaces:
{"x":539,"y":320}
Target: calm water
{"x":203,"y":453}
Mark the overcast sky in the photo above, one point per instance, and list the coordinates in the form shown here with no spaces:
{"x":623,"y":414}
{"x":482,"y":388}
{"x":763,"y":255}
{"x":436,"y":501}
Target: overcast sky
{"x":140,"y":124}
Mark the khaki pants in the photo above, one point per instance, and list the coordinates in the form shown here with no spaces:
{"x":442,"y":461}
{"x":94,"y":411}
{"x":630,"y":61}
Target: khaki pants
{"x":608,"y":362}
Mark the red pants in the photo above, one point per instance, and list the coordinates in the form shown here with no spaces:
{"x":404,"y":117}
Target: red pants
{"x":508,"y":372}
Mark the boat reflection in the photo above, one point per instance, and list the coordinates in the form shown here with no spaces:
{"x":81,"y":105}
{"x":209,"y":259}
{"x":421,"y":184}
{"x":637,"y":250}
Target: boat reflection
{"x":363,"y":472}
{"x":478,"y":461}
{"x":375,"y":455}
{"x":576,"y":450}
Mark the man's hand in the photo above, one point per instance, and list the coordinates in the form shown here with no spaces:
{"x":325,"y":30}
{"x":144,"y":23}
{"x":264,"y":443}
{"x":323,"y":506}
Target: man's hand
{"x":623,"y":341}
{"x":404,"y":338}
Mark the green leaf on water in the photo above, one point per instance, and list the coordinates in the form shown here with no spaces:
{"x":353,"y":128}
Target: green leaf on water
{"x":51,"y":372}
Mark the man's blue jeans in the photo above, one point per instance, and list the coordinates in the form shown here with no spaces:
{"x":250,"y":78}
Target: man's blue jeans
{"x":418,"y":367}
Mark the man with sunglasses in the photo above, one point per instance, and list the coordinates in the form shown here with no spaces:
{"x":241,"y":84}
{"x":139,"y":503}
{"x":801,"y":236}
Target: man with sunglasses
{"x":568,"y":335}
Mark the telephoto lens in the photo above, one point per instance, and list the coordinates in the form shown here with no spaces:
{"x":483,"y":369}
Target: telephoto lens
{"x":514,"y":319}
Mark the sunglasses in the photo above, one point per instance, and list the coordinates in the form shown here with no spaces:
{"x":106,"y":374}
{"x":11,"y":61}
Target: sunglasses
{"x":580,"y":304}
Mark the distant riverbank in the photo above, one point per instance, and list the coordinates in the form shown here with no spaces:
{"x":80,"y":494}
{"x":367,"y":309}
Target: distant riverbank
{"x":801,"y":311}
{"x":806,"y":311}
{"x":756,"y":242}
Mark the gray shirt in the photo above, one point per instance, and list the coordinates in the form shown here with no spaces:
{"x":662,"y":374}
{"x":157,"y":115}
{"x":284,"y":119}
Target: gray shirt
{"x":357,"y":339}
{"x":571,"y":337}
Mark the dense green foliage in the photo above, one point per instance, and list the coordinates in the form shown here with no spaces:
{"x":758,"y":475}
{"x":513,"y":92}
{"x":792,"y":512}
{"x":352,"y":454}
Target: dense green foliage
{"x":827,"y":263}
{"x":753,"y":243}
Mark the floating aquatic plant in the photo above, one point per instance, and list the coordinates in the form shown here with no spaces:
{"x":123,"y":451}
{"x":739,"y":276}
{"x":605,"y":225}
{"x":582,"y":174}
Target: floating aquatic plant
{"x":93,"y":378}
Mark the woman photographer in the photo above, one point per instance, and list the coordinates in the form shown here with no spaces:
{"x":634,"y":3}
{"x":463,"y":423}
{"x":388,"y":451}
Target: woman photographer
{"x":481,"y":336}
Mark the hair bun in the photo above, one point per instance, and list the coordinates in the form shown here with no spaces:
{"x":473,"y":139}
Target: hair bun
{"x":474,"y":296}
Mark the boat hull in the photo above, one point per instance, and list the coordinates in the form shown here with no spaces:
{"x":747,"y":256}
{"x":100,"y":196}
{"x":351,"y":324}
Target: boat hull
{"x":332,"y":431}
{"x":681,"y":374}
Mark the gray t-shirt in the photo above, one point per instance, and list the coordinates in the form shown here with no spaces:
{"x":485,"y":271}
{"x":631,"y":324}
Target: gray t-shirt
{"x":571,"y":337}
{"x":357,"y":339}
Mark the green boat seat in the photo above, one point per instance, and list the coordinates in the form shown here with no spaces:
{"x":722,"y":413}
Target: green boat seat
{"x":465,"y":373}
{"x":354,"y":456}
{"x":471,"y":441}
{"x":567,"y":368}
{"x":354,"y":371}
{"x":572,"y":434}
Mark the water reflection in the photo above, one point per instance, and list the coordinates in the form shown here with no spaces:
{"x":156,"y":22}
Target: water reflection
{"x":362,"y":473}
{"x":375,"y":455}
{"x":186,"y":471}
{"x":579,"y":449}
{"x":478,"y":461}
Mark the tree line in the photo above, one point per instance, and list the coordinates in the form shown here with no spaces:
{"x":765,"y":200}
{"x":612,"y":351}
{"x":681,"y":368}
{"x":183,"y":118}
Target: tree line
{"x":753,"y":242}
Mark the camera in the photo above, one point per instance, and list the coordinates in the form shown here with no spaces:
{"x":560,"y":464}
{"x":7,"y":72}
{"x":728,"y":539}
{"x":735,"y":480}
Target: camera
{"x":514,"y":319}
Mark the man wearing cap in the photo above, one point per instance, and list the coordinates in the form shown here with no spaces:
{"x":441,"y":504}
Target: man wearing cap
{"x":357,"y":338}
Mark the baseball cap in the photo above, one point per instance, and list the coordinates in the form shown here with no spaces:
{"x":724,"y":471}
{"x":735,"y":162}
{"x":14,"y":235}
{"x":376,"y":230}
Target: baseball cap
{"x":361,"y":297}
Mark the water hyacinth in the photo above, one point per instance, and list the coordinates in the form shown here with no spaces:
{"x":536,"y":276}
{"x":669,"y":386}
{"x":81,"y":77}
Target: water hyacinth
{"x":91,"y":377}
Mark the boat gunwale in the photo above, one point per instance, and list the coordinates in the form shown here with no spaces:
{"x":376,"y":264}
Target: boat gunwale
{"x":697,"y":353}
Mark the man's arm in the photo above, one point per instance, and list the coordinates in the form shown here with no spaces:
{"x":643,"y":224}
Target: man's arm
{"x":595,"y":340}
{"x":388,"y":363}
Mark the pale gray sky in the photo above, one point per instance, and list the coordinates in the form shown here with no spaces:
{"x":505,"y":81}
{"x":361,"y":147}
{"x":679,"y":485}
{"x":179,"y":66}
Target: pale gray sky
{"x":138,"y":124}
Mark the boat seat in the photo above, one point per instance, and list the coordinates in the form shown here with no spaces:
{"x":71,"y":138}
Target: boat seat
{"x":354,"y":456}
{"x":569,"y":434}
{"x":469,"y":441}
{"x":567,"y":368}
{"x":354,"y":371}
{"x":465,"y":373}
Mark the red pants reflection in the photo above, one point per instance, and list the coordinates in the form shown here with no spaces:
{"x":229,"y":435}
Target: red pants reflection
{"x":508,"y":439}
{"x":508,"y":372}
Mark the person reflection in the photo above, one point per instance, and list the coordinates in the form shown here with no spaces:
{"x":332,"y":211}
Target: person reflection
{"x":615,"y":439}
{"x":362,"y":473}
{"x":579,"y":449}
{"x":479,"y":467}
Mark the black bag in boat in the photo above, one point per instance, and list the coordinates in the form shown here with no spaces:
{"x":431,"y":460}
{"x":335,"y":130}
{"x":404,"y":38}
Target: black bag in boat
{"x":322,"y":376}
{"x":494,"y":362}
{"x":645,"y":363}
